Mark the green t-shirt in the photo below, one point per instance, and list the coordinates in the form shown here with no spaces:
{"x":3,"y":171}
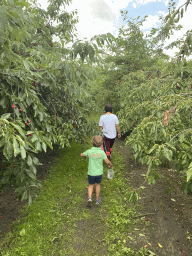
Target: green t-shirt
{"x":96,"y":157}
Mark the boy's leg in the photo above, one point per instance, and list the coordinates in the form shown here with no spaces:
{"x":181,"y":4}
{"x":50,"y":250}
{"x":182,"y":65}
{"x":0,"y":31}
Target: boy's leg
{"x":107,"y":146}
{"x":98,"y":187}
{"x":111,"y":145}
{"x":90,"y":190}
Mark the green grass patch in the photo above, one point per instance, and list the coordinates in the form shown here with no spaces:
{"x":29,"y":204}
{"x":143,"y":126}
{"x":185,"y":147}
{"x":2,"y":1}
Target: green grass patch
{"x":53,"y":211}
{"x":50,"y":225}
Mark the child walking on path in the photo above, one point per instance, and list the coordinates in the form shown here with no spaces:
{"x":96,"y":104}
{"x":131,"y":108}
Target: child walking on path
{"x":95,"y":169}
{"x":108,"y":123}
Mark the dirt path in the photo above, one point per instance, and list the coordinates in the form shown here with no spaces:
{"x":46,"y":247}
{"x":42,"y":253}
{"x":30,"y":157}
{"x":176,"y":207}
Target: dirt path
{"x":170,"y":222}
{"x":166,"y":222}
{"x":89,"y":235}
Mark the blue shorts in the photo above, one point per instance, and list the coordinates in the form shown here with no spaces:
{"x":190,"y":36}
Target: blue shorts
{"x":94,"y":179}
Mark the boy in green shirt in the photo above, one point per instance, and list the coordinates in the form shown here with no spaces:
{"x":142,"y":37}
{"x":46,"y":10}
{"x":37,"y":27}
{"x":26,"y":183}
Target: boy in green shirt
{"x":95,"y":169}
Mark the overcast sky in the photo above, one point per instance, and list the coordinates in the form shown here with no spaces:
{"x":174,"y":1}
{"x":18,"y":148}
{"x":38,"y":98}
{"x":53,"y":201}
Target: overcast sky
{"x":103,"y":16}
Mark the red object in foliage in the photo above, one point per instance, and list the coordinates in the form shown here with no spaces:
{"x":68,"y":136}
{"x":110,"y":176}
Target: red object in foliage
{"x":29,"y":121}
{"x":30,"y":134}
{"x":35,"y":84}
{"x":75,"y":126}
{"x":13,"y":106}
{"x":20,"y":109}
{"x":1,"y":216}
{"x":26,"y":123}
{"x":32,"y":83}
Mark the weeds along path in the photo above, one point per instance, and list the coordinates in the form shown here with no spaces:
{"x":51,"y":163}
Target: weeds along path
{"x":58,"y":221}
{"x":166,"y":212}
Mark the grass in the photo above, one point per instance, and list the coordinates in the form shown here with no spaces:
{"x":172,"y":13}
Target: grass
{"x":58,"y":222}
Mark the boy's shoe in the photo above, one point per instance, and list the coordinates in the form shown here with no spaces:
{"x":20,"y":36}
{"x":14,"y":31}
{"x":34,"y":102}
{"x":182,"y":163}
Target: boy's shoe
{"x":89,"y":202}
{"x":98,"y":201}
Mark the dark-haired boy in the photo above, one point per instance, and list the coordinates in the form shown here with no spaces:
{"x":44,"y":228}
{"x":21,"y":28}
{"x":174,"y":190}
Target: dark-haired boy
{"x":108,"y":123}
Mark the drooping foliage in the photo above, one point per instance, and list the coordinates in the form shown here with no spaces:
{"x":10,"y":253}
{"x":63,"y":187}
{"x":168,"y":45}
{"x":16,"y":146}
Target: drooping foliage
{"x":44,"y":90}
{"x":151,"y":95}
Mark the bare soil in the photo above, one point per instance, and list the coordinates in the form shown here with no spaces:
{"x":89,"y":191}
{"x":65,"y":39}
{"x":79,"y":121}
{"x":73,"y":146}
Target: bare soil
{"x":167,"y":211}
{"x":9,"y":203}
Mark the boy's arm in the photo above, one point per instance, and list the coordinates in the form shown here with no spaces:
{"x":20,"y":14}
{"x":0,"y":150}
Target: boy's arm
{"x":118,"y":128}
{"x":83,"y":155}
{"x":108,"y":163}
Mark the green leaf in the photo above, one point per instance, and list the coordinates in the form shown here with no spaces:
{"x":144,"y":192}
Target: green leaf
{"x":16,"y":147}
{"x":30,"y":200}
{"x":2,"y":142}
{"x":182,"y":13}
{"x":23,"y":152}
{"x":6,"y":116}
{"x":189,"y":174}
{"x":22,"y":232}
{"x":35,"y":161}
{"x":30,"y":174}
{"x":18,"y":128}
{"x":168,"y":153}
{"x":34,"y":138}
{"x":8,"y":150}
{"x":41,"y":116}
{"x":24,"y":195}
{"x":26,"y":65}
{"x":21,"y":142}
{"x":4,"y":102}
{"x":29,"y":160}
{"x":150,"y":180}
{"x":38,"y":145}
{"x":44,"y":146}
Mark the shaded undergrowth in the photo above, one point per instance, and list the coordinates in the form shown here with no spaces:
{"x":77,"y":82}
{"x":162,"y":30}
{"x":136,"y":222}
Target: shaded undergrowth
{"x":59,"y":223}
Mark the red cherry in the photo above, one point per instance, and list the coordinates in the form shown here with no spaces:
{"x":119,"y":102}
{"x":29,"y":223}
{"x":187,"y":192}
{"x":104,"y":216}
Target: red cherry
{"x":26,"y":123}
{"x":20,"y":110}
{"x":29,"y":120}
{"x":35,"y":84}
{"x":13,"y":106}
{"x":32,"y":83}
